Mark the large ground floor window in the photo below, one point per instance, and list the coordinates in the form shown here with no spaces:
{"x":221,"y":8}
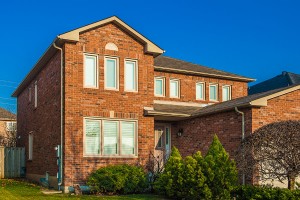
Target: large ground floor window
{"x":110,"y":137}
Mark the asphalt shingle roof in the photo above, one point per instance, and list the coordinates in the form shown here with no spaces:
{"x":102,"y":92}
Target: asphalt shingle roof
{"x":165,"y":62}
{"x":283,"y":80}
{"x":5,"y":114}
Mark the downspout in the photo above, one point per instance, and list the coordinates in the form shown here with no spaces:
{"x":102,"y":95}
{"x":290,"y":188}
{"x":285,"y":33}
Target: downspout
{"x":61,"y":113}
{"x":243,"y":135}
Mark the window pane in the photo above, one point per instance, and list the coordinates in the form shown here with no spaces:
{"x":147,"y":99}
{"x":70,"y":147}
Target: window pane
{"x":199,"y":91}
{"x":226,"y":93}
{"x":128,"y":138}
{"x":174,"y":88}
{"x":30,"y":146}
{"x":130,"y":76}
{"x":213,"y":92}
{"x":92,"y":137}
{"x":110,"y":132}
{"x":90,"y":71}
{"x":159,"y":86}
{"x":111,"y":73}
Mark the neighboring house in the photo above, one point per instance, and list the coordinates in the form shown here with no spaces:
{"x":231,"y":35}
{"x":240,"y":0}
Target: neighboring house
{"x":283,"y":80}
{"x":8,"y":127}
{"x":107,"y":95}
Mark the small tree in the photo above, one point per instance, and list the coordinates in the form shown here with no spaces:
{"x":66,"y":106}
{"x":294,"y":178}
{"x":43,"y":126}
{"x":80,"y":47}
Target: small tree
{"x":273,"y":152}
{"x":220,"y":171}
{"x":8,"y":135}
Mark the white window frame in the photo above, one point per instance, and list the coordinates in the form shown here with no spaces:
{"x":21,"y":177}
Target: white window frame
{"x":119,"y":138}
{"x":163,"y":86}
{"x":117,"y":73}
{"x":96,"y":72}
{"x":203,"y":90}
{"x":178,"y":88}
{"x":35,"y":94}
{"x":136,"y":75}
{"x":29,"y":94}
{"x":217,"y":91}
{"x":30,"y":146}
{"x":11,"y":126}
{"x":229,"y":95}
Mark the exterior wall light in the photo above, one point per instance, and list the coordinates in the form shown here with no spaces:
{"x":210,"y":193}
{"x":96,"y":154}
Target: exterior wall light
{"x":180,"y":132}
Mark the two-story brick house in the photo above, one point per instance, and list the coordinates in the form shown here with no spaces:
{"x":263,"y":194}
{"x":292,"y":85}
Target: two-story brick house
{"x":107,"y":95}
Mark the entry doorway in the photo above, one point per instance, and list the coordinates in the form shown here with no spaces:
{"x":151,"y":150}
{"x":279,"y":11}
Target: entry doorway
{"x":162,"y":141}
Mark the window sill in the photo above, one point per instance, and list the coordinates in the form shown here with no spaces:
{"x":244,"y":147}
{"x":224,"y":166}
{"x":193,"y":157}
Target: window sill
{"x":112,"y":156}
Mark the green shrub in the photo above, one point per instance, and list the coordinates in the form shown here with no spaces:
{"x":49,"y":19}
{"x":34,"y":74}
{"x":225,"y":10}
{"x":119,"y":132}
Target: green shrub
{"x":183,"y":178}
{"x":118,"y":179}
{"x":220,"y":171}
{"x":264,"y":193}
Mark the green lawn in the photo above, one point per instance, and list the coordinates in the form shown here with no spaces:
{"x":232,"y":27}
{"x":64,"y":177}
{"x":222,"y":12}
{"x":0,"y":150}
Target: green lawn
{"x":14,"y":189}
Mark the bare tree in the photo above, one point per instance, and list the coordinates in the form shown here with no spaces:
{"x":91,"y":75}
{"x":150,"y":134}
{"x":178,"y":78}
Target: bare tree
{"x":8,"y":135}
{"x":272,"y":152}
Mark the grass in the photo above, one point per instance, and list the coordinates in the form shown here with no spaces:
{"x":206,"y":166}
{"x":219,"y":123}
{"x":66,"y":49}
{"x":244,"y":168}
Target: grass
{"x":17,"y":189}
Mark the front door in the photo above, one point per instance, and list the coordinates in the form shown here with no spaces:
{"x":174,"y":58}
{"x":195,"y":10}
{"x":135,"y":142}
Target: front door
{"x":162,"y":142}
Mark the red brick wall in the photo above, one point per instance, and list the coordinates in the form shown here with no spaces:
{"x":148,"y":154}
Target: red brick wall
{"x":285,"y":107}
{"x":83,"y":102}
{"x":43,"y":121}
{"x":188,"y":87}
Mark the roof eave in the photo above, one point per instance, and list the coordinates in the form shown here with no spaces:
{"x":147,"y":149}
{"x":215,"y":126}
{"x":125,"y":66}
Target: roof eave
{"x":165,"y":69}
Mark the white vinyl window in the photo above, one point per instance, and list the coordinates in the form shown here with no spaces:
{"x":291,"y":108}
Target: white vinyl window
{"x":226,"y":92}
{"x":105,"y":137}
{"x":90,"y":71}
{"x":35,"y":94}
{"x":11,"y":126}
{"x":200,"y":91}
{"x":159,"y":86}
{"x":30,"y":146}
{"x":213,"y":92}
{"x":111,"y":70}
{"x":29,"y":94}
{"x":174,"y":88}
{"x":131,"y":76}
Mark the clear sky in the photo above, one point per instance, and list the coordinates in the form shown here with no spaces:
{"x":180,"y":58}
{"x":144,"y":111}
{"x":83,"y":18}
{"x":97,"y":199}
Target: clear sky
{"x":254,"y":38}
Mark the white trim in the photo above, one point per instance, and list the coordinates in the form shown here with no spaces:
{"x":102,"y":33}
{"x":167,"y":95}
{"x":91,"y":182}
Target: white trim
{"x":135,"y":74}
{"x":35,"y":94}
{"x":230,"y":93}
{"x":217,"y":92}
{"x":30,"y":146}
{"x":163,"y":86}
{"x":203,"y":90}
{"x":119,"y":137}
{"x":178,"y":88}
{"x":96,"y":74}
{"x":116,"y":75}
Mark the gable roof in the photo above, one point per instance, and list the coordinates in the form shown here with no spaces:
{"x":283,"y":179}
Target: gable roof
{"x":255,"y":100}
{"x":6,"y":115}
{"x":150,"y":47}
{"x":164,"y":63}
{"x":73,"y":36}
{"x":283,"y":80}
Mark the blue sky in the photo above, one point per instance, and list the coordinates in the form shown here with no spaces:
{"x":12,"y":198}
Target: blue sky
{"x":254,"y":38}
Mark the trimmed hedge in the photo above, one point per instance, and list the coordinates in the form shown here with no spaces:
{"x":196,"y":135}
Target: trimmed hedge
{"x":264,"y":193}
{"x":118,"y":179}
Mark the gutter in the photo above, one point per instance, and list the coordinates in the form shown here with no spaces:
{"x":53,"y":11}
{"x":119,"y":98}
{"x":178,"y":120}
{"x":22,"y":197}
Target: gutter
{"x":243,"y":134}
{"x":61,"y":113}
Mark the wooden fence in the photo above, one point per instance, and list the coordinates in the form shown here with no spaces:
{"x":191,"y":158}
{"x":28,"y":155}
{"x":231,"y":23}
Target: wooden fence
{"x":12,"y":162}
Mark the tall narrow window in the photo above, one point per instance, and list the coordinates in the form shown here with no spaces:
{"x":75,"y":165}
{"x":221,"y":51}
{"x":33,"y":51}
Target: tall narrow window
{"x":213,"y":92}
{"x":110,"y":137}
{"x":30,"y":146}
{"x":111,"y":73}
{"x":92,"y":137}
{"x":200,"y":88}
{"x":174,"y":88}
{"x":35,"y":94}
{"x":90,"y":71}
{"x":226,"y":92}
{"x":130,"y":76}
{"x":29,"y":94}
{"x":128,"y":129}
{"x":159,"y":86}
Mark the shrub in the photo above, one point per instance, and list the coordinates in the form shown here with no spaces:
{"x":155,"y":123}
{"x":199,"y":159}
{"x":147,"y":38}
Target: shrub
{"x":118,"y":179}
{"x":183,"y":178}
{"x":265,"y":193}
{"x":220,"y":171}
